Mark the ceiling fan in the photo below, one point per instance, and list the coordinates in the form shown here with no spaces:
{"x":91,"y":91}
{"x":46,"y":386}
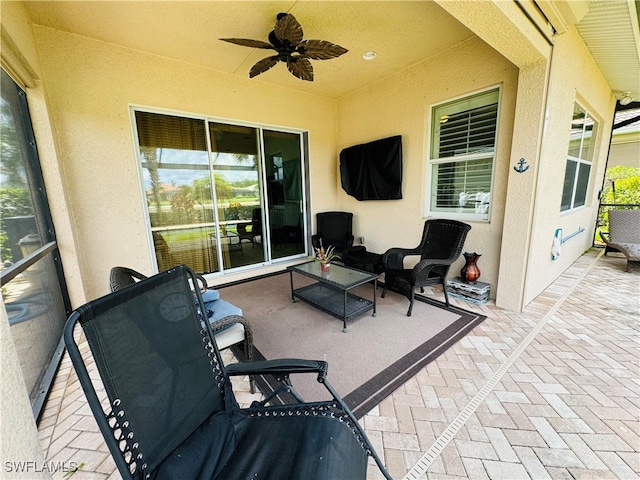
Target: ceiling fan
{"x":286,"y":39}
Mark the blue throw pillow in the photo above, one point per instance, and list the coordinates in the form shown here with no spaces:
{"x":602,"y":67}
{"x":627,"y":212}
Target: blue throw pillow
{"x":210,"y":295}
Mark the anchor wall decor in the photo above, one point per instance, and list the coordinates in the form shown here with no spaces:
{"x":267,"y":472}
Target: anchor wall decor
{"x":522,"y":166}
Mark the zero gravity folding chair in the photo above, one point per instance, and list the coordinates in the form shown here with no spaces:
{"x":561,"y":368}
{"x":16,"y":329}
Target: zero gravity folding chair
{"x":170,"y":411}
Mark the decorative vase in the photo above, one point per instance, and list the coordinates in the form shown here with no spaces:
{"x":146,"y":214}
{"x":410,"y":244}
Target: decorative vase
{"x":470,"y":272}
{"x":325,"y":267}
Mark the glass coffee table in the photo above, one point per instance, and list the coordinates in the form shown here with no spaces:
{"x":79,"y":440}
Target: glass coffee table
{"x":331,"y":291}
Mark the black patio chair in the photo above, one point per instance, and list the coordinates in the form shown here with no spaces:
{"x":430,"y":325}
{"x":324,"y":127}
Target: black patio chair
{"x":255,"y":234}
{"x":230,"y":330}
{"x":624,"y":235}
{"x":333,"y":229}
{"x":441,"y":245}
{"x":170,"y":411}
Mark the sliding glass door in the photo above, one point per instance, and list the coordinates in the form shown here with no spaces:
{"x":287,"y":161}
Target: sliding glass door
{"x":221,"y":196}
{"x":235,"y":163}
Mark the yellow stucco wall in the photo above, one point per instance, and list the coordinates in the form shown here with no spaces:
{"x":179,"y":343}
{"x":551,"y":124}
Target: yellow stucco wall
{"x":94,"y":171}
{"x":26,"y":65}
{"x":89,"y":96}
{"x":574,"y":76}
{"x":401,"y":105}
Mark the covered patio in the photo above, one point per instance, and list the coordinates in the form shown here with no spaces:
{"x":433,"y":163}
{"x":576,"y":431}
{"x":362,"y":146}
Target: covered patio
{"x":550,"y":392}
{"x":545,"y":387}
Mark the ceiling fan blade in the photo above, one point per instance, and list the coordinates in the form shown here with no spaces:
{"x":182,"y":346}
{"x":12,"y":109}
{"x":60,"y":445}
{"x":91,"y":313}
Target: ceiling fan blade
{"x":263,"y":65}
{"x":245,"y":42}
{"x":320,"y":49}
{"x":301,"y":68}
{"x":288,"y":28}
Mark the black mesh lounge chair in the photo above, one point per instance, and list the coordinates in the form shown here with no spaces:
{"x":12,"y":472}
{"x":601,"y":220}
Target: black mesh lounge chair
{"x":441,"y":245}
{"x":333,"y":229}
{"x":170,"y":411}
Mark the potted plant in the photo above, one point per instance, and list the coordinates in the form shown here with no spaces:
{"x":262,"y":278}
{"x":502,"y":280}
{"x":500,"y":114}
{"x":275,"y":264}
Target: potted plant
{"x":325,"y":256}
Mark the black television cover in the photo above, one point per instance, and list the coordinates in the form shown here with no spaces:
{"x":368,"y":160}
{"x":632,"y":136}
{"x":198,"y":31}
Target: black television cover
{"x":373,"y":171}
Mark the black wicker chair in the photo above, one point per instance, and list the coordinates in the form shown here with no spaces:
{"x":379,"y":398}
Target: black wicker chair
{"x":170,"y":412}
{"x":333,"y":229}
{"x":441,"y":245}
{"x":229,"y":331}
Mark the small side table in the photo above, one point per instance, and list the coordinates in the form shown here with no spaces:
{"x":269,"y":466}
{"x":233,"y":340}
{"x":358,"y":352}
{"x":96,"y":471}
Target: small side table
{"x":477,"y":293}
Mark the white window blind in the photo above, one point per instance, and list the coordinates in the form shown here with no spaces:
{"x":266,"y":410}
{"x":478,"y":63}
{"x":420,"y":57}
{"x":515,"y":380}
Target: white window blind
{"x":462,"y":155}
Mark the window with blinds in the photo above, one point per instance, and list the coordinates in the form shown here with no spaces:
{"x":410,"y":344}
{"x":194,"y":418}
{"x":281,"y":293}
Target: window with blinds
{"x":579,"y":156}
{"x":463,"y":139}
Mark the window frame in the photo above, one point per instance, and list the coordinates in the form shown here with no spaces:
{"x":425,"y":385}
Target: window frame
{"x":460,"y":104}
{"x":579,"y":161}
{"x":44,"y":262}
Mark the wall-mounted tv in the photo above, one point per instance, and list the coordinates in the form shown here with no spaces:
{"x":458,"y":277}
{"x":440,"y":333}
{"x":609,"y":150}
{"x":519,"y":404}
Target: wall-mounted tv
{"x":373,"y":171}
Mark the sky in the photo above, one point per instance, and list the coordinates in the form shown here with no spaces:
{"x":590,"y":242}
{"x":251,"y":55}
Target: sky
{"x":196,"y":166}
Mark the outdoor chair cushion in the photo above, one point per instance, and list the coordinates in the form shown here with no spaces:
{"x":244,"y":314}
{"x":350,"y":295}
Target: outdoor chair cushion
{"x":218,"y":309}
{"x":358,"y":257}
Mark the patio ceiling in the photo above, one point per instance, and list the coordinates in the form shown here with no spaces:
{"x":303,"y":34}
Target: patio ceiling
{"x":401,"y":33}
{"x":610,"y":31}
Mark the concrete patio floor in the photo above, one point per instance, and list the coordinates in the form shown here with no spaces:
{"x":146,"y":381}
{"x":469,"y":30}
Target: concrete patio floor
{"x":549,"y":393}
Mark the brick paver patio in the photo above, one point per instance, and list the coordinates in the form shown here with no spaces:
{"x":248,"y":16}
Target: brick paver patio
{"x":549,"y":393}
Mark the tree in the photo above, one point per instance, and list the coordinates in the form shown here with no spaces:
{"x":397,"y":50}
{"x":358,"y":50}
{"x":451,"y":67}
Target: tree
{"x":12,"y":171}
{"x":223,"y":187}
{"x":622,"y":187}
{"x":150,"y":156}
{"x":14,"y":202}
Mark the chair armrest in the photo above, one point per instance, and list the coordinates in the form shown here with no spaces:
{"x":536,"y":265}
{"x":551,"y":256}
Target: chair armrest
{"x":282,"y":366}
{"x":393,"y":258}
{"x":605,"y":237}
{"x":350,"y":240}
{"x":224,"y":322}
{"x":230,"y":320}
{"x":422,"y":269}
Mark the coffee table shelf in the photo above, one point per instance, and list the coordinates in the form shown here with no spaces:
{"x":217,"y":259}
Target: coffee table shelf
{"x":332,"y":301}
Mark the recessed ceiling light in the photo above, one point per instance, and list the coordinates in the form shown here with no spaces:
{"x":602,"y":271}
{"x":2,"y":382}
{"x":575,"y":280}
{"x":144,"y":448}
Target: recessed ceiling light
{"x":369,"y":55}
